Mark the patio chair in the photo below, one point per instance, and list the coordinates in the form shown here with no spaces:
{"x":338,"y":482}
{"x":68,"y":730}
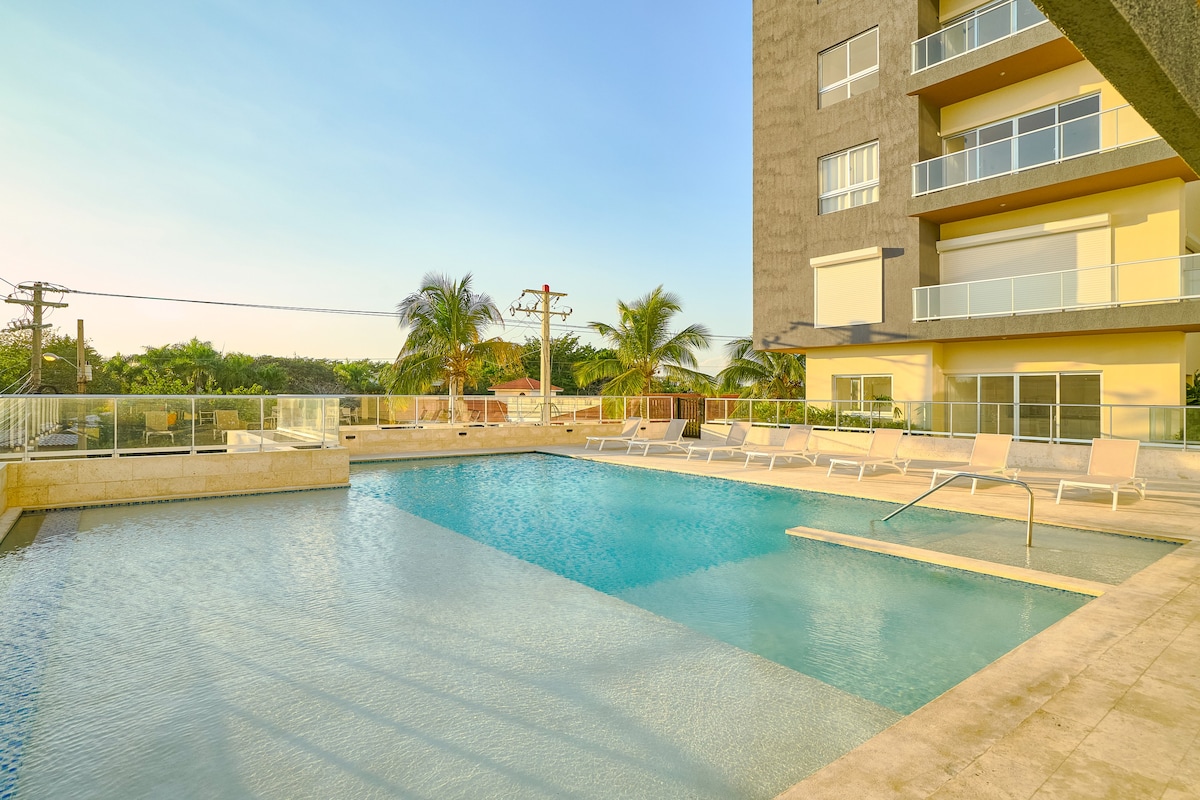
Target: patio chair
{"x":672,"y":439}
{"x":628,"y":433}
{"x":794,"y":445}
{"x":989,"y":456}
{"x":735,"y":440}
{"x":158,"y":423}
{"x":1111,"y":468}
{"x":885,"y":444}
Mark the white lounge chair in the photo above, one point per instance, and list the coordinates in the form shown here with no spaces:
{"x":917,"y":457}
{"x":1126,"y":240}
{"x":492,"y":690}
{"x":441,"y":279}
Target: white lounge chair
{"x":989,"y":456}
{"x":734,"y":442}
{"x":1111,"y":468}
{"x":885,"y":444}
{"x":672,"y":439}
{"x":627,"y":434}
{"x":795,"y":445}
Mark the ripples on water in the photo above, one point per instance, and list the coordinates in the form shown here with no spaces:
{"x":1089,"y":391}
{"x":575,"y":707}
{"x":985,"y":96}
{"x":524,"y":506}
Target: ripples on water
{"x":355,"y":644}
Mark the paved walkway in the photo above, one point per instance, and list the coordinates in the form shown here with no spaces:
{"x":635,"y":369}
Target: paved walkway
{"x":1103,"y":704}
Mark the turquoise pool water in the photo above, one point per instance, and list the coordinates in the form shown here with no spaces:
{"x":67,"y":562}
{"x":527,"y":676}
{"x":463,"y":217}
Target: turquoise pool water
{"x":713,"y":555}
{"x":503,"y":627}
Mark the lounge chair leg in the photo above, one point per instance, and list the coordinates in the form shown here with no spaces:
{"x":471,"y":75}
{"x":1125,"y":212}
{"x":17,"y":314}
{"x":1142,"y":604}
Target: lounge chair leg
{"x":863,"y":469}
{"x":1058,"y":499}
{"x":1114,"y":507}
{"x":710,"y":455}
{"x":974,"y":483}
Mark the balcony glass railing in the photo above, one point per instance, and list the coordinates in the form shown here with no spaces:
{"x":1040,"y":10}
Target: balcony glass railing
{"x":1160,"y":280}
{"x":1094,"y":133}
{"x":988,"y":25}
{"x":1159,"y":426}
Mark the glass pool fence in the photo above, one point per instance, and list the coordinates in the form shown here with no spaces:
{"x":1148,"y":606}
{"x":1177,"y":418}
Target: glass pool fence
{"x":415,"y":411}
{"x":64,"y":426}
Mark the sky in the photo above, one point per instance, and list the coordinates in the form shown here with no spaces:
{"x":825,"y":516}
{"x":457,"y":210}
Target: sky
{"x":331,"y":154}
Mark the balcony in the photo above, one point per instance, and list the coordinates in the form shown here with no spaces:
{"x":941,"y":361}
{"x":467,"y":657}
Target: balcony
{"x":1093,"y":133}
{"x":1162,"y":280}
{"x":962,"y":37}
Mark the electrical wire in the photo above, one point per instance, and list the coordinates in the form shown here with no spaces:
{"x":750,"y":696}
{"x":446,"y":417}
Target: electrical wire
{"x":320,"y":310}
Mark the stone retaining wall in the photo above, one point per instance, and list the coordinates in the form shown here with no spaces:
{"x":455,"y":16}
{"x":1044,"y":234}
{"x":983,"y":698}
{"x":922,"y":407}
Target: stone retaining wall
{"x":363,"y":441}
{"x":89,"y":481}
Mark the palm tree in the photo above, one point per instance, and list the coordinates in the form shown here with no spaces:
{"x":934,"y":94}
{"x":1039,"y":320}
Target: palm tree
{"x":760,"y":373}
{"x":643,"y":346}
{"x":445,"y":341}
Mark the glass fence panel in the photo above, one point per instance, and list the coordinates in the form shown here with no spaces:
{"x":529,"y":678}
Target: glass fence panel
{"x":155,"y":423}
{"x":982,"y":29}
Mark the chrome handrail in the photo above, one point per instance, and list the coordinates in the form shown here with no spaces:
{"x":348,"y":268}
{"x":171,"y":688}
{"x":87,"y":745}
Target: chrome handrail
{"x":996,"y":478}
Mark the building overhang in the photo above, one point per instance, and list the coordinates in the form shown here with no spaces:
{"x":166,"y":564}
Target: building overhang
{"x":1018,"y":58}
{"x":1148,"y":50}
{"x":1134,"y":165}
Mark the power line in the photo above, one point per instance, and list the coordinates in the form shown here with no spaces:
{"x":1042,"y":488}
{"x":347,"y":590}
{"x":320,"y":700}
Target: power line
{"x":317,"y":309}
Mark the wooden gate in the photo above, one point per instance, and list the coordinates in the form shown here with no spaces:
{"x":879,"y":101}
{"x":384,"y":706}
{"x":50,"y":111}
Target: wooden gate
{"x":691,"y":409}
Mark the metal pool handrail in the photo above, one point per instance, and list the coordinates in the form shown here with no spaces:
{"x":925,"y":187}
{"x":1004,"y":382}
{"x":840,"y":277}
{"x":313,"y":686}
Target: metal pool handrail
{"x":996,"y":478}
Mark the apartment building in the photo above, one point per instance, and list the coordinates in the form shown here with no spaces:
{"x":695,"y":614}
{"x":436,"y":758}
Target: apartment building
{"x":952,"y":204}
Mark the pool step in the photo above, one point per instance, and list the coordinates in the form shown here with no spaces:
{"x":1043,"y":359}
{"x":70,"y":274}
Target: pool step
{"x":1022,"y":574}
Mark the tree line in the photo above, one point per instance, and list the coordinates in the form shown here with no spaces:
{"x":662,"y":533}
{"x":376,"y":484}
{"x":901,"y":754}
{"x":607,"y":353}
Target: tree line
{"x":444,"y":351}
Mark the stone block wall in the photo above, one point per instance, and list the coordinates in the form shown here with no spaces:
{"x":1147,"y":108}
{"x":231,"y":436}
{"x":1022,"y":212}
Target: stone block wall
{"x":89,"y":481}
{"x":366,"y":441}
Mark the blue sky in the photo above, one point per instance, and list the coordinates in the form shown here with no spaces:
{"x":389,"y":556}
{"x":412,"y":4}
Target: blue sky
{"x":330,"y":154}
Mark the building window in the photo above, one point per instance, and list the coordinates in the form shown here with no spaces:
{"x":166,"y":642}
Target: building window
{"x":849,"y":68}
{"x":871,"y":393}
{"x":1038,"y":137}
{"x":1052,"y":406}
{"x":848,"y":288}
{"x":849,"y":178}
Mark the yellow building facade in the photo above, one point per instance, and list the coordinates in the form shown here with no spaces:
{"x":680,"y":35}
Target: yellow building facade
{"x":1036,"y":238}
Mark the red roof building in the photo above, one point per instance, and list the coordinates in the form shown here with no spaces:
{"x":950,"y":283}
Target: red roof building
{"x":521,"y":386}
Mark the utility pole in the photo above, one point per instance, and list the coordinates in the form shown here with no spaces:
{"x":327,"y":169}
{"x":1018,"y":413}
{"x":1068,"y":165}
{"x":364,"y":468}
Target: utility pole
{"x":545,"y":299}
{"x":36,"y":303}
{"x":81,"y":376}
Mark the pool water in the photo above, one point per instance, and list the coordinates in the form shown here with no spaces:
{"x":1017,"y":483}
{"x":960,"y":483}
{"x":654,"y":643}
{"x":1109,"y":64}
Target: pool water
{"x":519,"y":626}
{"x":714,"y":555}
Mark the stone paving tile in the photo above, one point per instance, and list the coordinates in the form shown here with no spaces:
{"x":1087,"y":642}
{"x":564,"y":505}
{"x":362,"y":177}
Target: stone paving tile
{"x":1080,"y":778}
{"x":1185,"y":783}
{"x":1086,"y":699}
{"x":1141,"y":746}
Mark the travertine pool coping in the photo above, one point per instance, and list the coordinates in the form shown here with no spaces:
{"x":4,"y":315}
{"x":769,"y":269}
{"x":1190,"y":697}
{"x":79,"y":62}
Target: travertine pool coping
{"x":1103,"y":704}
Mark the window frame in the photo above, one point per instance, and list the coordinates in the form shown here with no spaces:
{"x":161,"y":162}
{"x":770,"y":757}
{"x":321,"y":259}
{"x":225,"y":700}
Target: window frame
{"x":851,"y":78}
{"x":1015,"y":126}
{"x":849,"y":188}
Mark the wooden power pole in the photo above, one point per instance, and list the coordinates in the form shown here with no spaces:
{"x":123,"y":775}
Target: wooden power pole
{"x":545,"y":298}
{"x":36,"y":302}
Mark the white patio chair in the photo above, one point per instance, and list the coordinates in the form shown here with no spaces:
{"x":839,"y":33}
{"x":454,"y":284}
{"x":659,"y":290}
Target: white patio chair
{"x":885,"y":444}
{"x":989,"y":456}
{"x":672,"y":439}
{"x":734,"y":442}
{"x":794,"y":445}
{"x":1111,"y":468}
{"x":628,"y":433}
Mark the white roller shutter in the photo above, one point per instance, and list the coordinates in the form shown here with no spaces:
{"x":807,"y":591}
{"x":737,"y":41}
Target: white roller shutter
{"x":1032,"y":250}
{"x":848,"y":288}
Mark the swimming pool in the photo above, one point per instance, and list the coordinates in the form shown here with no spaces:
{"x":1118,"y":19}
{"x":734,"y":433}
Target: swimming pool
{"x":402,"y":639}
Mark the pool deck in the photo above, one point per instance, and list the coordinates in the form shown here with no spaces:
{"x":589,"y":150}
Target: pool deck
{"x":1105,"y":703}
